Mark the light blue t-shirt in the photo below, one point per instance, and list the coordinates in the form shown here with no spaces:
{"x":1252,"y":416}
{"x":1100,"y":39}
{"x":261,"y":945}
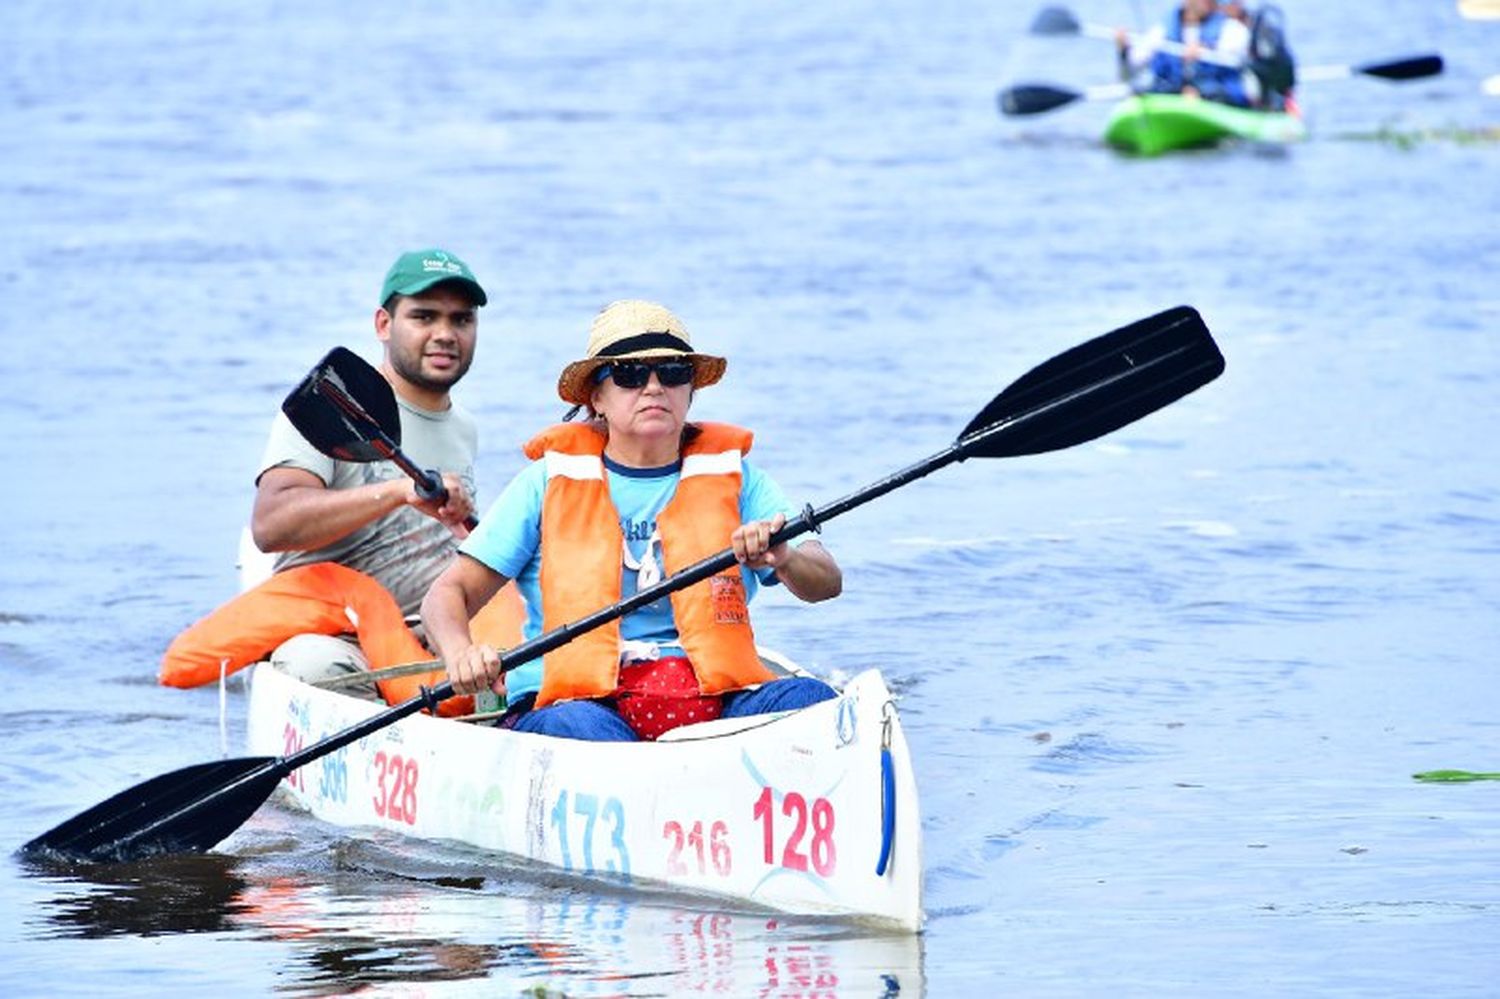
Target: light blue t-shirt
{"x":508,"y":540}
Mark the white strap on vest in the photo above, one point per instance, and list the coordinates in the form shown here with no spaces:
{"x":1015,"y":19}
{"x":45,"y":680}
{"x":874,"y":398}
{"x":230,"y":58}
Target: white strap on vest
{"x":721,"y":463}
{"x":573,"y":466}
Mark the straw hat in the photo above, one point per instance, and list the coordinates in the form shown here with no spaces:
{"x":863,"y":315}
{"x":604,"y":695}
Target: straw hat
{"x":632,"y":328}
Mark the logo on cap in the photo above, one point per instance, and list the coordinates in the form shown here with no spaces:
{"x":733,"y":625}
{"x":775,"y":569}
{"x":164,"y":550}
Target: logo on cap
{"x":442,"y":264}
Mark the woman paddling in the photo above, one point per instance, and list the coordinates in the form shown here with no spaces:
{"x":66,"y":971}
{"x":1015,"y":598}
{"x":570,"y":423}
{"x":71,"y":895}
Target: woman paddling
{"x":609,"y":506}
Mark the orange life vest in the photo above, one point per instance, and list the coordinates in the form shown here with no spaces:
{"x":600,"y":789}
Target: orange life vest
{"x":582,"y":545}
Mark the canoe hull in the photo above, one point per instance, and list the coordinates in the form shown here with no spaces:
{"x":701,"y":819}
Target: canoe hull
{"x":786,"y":814}
{"x":1152,"y":124}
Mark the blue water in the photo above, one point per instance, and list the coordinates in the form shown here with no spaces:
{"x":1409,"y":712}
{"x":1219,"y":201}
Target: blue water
{"x":1165,"y":692}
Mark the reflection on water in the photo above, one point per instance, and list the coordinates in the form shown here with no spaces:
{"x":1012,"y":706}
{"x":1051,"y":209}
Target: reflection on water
{"x":186,"y":894}
{"x":356,"y":927}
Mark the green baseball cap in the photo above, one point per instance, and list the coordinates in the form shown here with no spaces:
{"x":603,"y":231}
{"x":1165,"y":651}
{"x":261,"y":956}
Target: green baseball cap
{"x":415,"y":272}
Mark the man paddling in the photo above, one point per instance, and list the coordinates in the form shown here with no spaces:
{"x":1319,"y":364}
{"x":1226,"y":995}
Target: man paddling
{"x":356,"y":544}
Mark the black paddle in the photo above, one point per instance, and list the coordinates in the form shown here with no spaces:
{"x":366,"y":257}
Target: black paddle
{"x":347,"y":410}
{"x":1060,"y":21}
{"x":1409,"y":68}
{"x":1079,"y":395}
{"x":1036,"y":98}
{"x":1055,"y":21}
{"x":1027,"y":99}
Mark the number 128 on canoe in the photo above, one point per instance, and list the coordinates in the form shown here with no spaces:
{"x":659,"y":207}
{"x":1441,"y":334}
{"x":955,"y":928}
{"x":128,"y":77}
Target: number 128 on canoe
{"x":805,"y":837}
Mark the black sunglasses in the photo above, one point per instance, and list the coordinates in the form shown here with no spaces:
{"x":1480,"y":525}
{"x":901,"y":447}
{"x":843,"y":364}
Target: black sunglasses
{"x":635,"y":374}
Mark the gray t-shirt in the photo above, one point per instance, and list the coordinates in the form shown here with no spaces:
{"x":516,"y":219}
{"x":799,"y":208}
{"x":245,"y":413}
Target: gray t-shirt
{"x":405,"y":550}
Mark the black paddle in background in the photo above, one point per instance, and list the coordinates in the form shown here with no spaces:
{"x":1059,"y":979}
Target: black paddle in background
{"x":1410,"y":68}
{"x":1077,"y":396}
{"x":1060,"y":21}
{"x":1037,"y":98}
{"x":347,"y":410}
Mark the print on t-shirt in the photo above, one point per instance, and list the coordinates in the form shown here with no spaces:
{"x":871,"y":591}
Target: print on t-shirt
{"x":647,"y":565}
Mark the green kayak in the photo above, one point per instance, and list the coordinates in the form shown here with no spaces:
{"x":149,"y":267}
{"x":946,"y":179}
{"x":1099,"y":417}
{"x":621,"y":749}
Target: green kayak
{"x":1151,"y":124}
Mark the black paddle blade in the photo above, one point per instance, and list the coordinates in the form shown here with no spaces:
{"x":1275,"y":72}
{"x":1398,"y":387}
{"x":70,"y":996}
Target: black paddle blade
{"x":187,"y":810}
{"x":347,"y":433}
{"x":1034,"y":98}
{"x":1054,"y":21}
{"x":1097,"y":387}
{"x":1404,"y":69}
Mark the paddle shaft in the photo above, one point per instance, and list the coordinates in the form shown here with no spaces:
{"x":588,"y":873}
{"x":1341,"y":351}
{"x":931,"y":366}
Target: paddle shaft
{"x":1407,"y":68}
{"x":1161,"y":44}
{"x":1077,"y":396}
{"x":1036,"y":98}
{"x":1055,"y":409}
{"x":366,"y":677}
{"x":429,"y":485}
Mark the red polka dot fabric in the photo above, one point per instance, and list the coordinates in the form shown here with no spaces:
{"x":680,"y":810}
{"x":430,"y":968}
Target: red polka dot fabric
{"x":658,"y":695}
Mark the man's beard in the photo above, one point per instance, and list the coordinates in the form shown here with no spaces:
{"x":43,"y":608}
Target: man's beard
{"x":411,"y":370}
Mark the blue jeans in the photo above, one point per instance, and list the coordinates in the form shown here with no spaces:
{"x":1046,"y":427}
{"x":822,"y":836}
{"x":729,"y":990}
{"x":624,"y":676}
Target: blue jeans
{"x":596,"y":721}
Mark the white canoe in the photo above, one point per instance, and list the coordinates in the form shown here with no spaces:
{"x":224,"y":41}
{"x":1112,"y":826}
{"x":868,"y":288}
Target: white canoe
{"x":785,"y":811}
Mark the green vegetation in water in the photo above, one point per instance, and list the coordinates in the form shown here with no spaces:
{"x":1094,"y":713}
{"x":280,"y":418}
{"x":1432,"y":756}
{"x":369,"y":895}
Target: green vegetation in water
{"x":1453,"y":776}
{"x":1410,"y":138}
